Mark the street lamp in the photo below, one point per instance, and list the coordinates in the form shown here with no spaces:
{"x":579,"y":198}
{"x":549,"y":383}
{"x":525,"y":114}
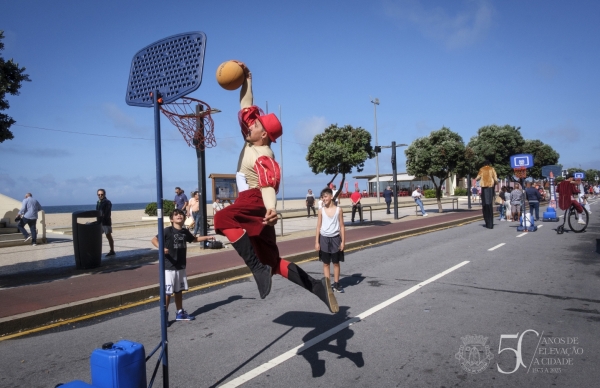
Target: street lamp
{"x":375,"y":102}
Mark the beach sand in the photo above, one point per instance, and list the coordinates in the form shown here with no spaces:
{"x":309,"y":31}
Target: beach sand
{"x":65,"y":219}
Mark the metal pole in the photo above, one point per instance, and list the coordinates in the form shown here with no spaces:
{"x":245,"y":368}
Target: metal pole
{"x":395,"y":173}
{"x":201,"y":157}
{"x":161,"y":242}
{"x":281,"y":157}
{"x":375,"y":103}
{"x":468,"y":191}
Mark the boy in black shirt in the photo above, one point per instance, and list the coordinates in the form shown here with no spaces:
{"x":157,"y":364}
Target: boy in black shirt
{"x":175,"y":260}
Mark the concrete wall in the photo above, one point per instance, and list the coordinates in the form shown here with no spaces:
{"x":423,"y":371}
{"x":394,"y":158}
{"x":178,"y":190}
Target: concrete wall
{"x":9,"y":208}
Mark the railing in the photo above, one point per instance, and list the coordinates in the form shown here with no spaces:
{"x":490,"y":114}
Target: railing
{"x":447,"y":200}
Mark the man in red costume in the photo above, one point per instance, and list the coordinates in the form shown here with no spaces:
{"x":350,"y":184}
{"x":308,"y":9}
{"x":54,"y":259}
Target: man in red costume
{"x":249,"y":222}
{"x":566,"y":189}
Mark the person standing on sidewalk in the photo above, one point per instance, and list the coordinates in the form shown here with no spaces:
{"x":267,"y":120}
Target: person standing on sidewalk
{"x":105,"y":207}
{"x":488,"y":178}
{"x":249,"y":222}
{"x":181,"y":200}
{"x":388,"y":194}
{"x":28,"y":216}
{"x":330,"y":238}
{"x":175,"y":248}
{"x":533,"y":198}
{"x":310,"y":203}
{"x":355,"y":199}
{"x":417,"y":197}
{"x":194,"y":211}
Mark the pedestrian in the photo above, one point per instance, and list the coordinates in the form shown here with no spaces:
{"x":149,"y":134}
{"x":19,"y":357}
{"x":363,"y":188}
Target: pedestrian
{"x":330,"y":238}
{"x":507,"y":209}
{"x":217,"y":205}
{"x":28,"y":215}
{"x":249,"y":222}
{"x":516,"y":197}
{"x":105,"y":207}
{"x":337,"y":199}
{"x":355,"y":199}
{"x":181,"y":200}
{"x":320,"y":203}
{"x":387,"y":195}
{"x":193,"y":211}
{"x":310,"y":203}
{"x":488,"y":179}
{"x":501,"y":205}
{"x":473,"y":193}
{"x":533,"y":198}
{"x":175,"y":248}
{"x":417,"y":194}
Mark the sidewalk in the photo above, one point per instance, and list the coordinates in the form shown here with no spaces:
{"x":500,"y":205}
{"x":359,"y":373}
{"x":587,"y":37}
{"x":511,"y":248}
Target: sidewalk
{"x":48,"y":288}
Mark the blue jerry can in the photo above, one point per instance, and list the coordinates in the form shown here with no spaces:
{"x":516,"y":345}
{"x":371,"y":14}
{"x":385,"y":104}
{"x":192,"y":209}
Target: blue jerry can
{"x":120,"y":365}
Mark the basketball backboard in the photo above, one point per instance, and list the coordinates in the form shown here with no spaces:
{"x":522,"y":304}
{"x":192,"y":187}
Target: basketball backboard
{"x":172,"y":65}
{"x":521,"y":160}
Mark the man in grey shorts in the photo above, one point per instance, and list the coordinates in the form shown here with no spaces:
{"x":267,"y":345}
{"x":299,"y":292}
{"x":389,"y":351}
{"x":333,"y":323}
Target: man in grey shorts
{"x":105,"y":206}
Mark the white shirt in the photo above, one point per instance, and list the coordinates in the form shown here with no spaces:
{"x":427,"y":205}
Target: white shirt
{"x":416,"y":194}
{"x":330,"y":226}
{"x":217,"y":206}
{"x":320,"y":204}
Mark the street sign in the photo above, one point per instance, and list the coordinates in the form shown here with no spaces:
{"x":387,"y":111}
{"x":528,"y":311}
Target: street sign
{"x":521,"y":160}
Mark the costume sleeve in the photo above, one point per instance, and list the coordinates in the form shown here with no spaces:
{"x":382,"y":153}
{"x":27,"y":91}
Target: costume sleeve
{"x":269,"y":176}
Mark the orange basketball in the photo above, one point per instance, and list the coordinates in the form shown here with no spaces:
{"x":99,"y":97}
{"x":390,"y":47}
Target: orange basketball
{"x":230,"y":75}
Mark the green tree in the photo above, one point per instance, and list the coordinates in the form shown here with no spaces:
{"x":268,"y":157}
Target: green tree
{"x":591,"y":174}
{"x":11,"y":77}
{"x":496,"y":144}
{"x":338,"y":150}
{"x":438,"y":155}
{"x":543,"y":155}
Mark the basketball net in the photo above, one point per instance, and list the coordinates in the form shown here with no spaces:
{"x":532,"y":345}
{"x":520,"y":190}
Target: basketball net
{"x":192,"y":118}
{"x":520,"y":172}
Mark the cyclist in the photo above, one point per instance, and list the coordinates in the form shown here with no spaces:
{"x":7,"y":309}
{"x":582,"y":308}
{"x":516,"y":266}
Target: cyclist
{"x":566,"y":189}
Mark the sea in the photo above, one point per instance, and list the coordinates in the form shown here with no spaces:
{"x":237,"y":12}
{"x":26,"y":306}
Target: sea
{"x":115,"y":207}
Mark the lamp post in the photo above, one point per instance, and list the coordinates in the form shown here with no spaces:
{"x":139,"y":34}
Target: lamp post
{"x":395,"y":175}
{"x":375,"y":102}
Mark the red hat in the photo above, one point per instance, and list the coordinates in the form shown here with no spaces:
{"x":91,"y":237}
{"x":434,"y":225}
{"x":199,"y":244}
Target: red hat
{"x":272,"y":126}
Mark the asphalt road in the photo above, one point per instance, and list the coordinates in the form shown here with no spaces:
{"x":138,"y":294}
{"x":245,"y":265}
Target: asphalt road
{"x":412,"y":312}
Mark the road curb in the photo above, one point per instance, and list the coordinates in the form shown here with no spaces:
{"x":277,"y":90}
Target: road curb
{"x":10,"y":326}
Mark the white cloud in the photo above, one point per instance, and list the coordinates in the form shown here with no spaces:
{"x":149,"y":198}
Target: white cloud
{"x":454,"y":28}
{"x":307,"y":129}
{"x":122,"y":121}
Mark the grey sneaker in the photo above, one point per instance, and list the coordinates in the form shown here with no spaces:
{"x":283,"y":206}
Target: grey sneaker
{"x":338,"y":288}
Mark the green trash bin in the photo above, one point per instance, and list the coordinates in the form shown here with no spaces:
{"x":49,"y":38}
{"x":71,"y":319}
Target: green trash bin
{"x":87,"y":239}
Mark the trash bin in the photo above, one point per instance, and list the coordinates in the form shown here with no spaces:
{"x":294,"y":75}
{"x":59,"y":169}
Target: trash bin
{"x":87,"y":240}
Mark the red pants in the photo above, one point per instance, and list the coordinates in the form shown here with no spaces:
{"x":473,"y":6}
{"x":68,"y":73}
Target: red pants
{"x":247,"y":213}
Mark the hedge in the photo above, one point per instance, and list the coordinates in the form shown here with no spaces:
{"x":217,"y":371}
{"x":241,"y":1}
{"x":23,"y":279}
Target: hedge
{"x":168,"y":207}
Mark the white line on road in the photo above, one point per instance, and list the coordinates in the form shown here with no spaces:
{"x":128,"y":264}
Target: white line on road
{"x":539,"y":226}
{"x":496,"y":247}
{"x":522,"y":234}
{"x":298,"y":349}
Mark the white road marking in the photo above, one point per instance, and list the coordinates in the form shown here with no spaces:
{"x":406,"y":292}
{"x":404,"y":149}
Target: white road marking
{"x":522,"y":234}
{"x":539,"y":226}
{"x":298,"y":349}
{"x":496,"y":247}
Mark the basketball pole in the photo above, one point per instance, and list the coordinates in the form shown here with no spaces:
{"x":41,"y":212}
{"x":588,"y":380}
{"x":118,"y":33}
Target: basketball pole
{"x":201,"y":157}
{"x":161,"y":242}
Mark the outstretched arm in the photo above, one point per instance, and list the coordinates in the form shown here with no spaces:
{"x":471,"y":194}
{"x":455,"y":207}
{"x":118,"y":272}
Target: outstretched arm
{"x":246,"y":98}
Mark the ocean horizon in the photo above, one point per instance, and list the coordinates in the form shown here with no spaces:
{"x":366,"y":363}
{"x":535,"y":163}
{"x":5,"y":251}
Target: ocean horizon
{"x":115,"y":206}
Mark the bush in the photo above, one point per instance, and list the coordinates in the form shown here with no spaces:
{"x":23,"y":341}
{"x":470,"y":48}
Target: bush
{"x":168,"y":207}
{"x":429,"y":193}
{"x":459,"y":191}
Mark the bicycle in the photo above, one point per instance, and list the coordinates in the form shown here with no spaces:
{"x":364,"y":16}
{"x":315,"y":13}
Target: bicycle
{"x":573,"y":218}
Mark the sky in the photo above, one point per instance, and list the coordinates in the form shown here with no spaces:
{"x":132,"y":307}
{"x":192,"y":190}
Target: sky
{"x":463,"y":64}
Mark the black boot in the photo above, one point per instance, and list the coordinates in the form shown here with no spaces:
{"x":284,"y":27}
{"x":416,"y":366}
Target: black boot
{"x":261,"y":272}
{"x":321,"y":288}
